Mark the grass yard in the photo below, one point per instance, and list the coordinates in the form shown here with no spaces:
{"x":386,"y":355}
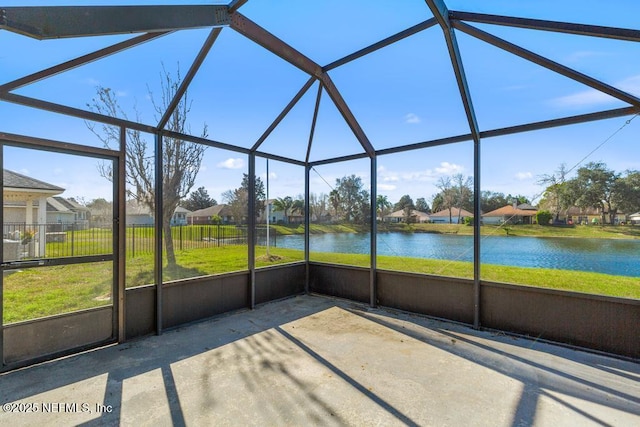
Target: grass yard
{"x":46,"y":291}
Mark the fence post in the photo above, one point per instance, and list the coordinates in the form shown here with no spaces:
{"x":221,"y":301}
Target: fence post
{"x":133,"y":240}
{"x":181,"y":248}
{"x":73,"y":234}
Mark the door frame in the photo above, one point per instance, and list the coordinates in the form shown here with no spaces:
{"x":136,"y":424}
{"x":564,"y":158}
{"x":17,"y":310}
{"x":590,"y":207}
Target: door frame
{"x":117,"y":157}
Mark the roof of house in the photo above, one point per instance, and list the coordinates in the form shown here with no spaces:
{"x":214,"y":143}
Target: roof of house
{"x":454,"y":213}
{"x":400,"y":214}
{"x":60,"y":204}
{"x":15,"y":180}
{"x":135,"y":207}
{"x":219,"y":210}
{"x":509,"y":210}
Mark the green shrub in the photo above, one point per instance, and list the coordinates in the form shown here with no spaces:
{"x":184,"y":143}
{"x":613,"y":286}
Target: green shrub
{"x":543,"y":217}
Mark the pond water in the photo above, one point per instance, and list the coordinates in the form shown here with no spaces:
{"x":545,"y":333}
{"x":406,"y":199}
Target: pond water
{"x":610,"y":256}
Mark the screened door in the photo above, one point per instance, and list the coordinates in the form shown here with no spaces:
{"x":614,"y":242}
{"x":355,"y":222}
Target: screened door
{"x":59,"y":263}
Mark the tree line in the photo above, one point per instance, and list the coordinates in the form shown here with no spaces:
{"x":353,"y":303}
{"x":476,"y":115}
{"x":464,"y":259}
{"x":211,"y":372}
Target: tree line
{"x":593,"y":186}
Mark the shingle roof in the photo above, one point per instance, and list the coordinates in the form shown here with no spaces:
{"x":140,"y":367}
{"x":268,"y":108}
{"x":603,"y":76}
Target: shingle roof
{"x":220,"y":210}
{"x":454,"y":212}
{"x":15,"y":180}
{"x":509,"y":210}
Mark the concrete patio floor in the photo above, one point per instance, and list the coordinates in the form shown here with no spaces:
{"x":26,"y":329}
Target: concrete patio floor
{"x":313,"y":360}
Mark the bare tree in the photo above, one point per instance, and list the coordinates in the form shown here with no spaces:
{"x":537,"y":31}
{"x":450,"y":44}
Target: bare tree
{"x":180,"y":161}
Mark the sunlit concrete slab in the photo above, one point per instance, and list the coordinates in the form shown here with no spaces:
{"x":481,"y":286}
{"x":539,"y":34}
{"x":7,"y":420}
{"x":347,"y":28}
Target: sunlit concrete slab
{"x":319,"y":361}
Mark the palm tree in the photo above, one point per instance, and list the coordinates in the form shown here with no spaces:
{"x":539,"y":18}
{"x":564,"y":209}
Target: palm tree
{"x":284,"y":205}
{"x":298,"y":206}
{"x":383,"y":205}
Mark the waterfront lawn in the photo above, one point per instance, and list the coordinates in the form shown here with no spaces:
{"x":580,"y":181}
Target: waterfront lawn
{"x":46,"y":291}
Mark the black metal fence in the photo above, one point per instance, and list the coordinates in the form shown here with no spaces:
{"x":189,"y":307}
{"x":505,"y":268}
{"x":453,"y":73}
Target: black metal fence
{"x":80,"y":240}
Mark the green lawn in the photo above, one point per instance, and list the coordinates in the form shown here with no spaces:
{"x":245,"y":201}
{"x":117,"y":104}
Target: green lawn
{"x":44,"y":291}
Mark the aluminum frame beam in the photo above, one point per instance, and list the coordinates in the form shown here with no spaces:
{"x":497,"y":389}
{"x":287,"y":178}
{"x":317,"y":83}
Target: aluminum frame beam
{"x":382,"y":43}
{"x":284,"y":112}
{"x":547,"y":63}
{"x":314,"y":119}
{"x":74,"y":112}
{"x":79,"y":61}
{"x":52,"y":22}
{"x":273,"y":44}
{"x":195,"y":66}
{"x":441,"y":13}
{"x":346,"y":113}
{"x":553,"y":26}
{"x":235,"y":5}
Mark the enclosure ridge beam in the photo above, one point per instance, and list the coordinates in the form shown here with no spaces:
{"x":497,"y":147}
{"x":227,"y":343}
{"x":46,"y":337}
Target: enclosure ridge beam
{"x":284,"y":113}
{"x":544,"y":25}
{"x":382,"y":43}
{"x":81,"y":60}
{"x":52,"y":22}
{"x":547,"y":63}
{"x":202,"y":54}
{"x":259,"y":35}
{"x":348,"y":116}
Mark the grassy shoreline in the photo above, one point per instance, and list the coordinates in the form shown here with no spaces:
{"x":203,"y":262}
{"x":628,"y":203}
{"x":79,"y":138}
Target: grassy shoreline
{"x":580,"y":231}
{"x":39,"y":292}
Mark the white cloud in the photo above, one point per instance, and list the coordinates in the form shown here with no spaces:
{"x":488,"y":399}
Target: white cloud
{"x":121,"y":93}
{"x":523,"y":176}
{"x":231,"y":163}
{"x":386,"y":187}
{"x":272,"y":176}
{"x":583,"y":54}
{"x":412,"y":118}
{"x":447,"y":168}
{"x":595,"y":97}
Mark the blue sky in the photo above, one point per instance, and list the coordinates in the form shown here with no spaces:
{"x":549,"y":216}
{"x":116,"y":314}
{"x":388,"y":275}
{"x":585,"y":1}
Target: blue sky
{"x":402,"y":94}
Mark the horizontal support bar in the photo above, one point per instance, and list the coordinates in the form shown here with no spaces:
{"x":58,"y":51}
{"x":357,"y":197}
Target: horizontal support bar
{"x":279,"y":158}
{"x":52,"y":22}
{"x":340,"y":159}
{"x":565,"y":121}
{"x":57,"y":146}
{"x":204,"y":141}
{"x":50,"y":262}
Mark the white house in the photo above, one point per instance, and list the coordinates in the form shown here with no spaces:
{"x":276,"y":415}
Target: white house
{"x":25,"y":206}
{"x":140,"y":214}
{"x":450,"y":216}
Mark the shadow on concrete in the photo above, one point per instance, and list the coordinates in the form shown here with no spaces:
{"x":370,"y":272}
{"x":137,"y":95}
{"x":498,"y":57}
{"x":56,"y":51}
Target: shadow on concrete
{"x":539,"y":379}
